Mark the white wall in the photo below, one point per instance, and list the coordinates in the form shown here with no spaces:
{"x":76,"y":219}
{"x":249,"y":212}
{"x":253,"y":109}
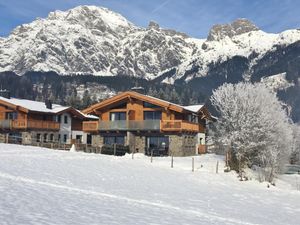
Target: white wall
{"x":65,"y":128}
{"x":83,"y":134}
{"x":198,"y":136}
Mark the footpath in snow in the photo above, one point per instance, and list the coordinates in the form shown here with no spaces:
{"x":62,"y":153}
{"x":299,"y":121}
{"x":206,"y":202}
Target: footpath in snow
{"x":41,"y":186}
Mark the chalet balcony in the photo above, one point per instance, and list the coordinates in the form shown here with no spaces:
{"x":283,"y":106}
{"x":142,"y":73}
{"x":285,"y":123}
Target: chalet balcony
{"x":121,"y":125}
{"x":131,"y":125}
{"x":43,"y":125}
{"x":29,"y":124}
{"x":5,"y":124}
{"x":180,"y":125}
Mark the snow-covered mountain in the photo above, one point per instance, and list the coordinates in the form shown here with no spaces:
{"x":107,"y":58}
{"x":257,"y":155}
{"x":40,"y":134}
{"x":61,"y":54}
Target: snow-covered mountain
{"x":95,"y":40}
{"x":92,"y":40}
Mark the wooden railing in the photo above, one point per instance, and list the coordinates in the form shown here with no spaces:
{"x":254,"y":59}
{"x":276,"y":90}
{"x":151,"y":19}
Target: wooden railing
{"x":18,"y":124}
{"x":34,"y":124}
{"x":164,"y":125}
{"x":179,"y":126}
{"x":40,"y":124}
{"x":90,"y":126}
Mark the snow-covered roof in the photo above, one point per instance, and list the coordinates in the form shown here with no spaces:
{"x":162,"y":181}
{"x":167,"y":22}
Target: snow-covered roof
{"x":41,"y":106}
{"x":34,"y":105}
{"x":193,"y":108}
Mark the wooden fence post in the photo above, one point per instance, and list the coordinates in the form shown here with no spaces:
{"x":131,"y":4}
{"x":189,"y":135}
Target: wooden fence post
{"x":115,"y":149}
{"x":6,"y":138}
{"x":172,"y":161}
{"x":133,"y":154}
{"x":217,"y":167}
{"x":151,"y":159}
{"x":193,"y":164}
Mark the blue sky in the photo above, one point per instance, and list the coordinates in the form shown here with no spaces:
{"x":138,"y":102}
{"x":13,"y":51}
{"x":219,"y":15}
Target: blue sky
{"x":194,"y":17}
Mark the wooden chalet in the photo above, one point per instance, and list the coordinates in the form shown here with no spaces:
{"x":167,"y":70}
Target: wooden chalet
{"x":147,"y":124}
{"x":33,"y":121}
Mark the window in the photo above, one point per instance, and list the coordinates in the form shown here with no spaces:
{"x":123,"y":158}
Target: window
{"x":152,"y":115}
{"x":192,"y":118}
{"x":149,"y":105}
{"x":11,"y":115}
{"x":51,"y":137}
{"x":65,"y":138}
{"x":59,"y":137}
{"x":78,"y":138}
{"x":89,"y":139}
{"x":66,"y":119}
{"x":110,"y":140}
{"x":45,"y":137}
{"x":58,"y":118}
{"x":44,"y":117}
{"x":158,"y":142}
{"x":117,"y":116}
{"x":38,"y":137}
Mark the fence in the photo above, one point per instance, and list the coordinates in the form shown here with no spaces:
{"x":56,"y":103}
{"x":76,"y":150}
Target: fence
{"x":117,"y":150}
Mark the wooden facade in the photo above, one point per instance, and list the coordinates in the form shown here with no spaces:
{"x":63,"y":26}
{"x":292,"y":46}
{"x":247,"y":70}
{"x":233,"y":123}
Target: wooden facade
{"x":174,"y":118}
{"x":19,"y":118}
{"x":148,"y":125}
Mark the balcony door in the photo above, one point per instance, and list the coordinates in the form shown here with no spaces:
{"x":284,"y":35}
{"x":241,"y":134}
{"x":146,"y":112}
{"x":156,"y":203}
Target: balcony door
{"x":158,"y":144}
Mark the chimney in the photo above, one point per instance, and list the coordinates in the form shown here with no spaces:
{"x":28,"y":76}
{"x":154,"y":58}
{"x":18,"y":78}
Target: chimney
{"x":5,"y":93}
{"x":140,"y":90}
{"x":48,"y":104}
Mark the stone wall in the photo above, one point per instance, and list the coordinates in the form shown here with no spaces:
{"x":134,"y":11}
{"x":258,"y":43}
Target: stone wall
{"x":3,"y":137}
{"x":97,"y":140}
{"x":27,"y":138}
{"x":130,"y":141}
{"x":140,"y":143}
{"x":31,"y":137}
{"x":182,"y":145}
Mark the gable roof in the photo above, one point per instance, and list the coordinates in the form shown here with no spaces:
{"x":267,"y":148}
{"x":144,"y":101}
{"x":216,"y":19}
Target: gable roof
{"x":146,"y":98}
{"x":34,"y":105}
{"x":194,"y":108}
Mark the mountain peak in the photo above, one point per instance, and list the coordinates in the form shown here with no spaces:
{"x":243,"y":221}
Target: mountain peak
{"x":153,"y":25}
{"x":89,"y":14}
{"x":237,"y":27}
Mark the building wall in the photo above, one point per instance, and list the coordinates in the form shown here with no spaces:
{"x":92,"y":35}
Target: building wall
{"x":65,"y":128}
{"x":2,"y":112}
{"x":179,"y":144}
{"x":140,"y":143}
{"x":83,"y":134}
{"x":182,"y":145}
{"x":30,"y":137}
{"x":40,"y":116}
{"x":135,"y":111}
{"x":97,"y":140}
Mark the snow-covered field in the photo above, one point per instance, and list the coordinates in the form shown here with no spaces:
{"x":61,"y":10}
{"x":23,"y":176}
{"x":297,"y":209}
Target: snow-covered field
{"x":40,"y":186}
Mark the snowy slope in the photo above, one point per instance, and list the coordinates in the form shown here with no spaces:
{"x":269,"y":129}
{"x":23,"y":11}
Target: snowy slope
{"x":95,"y":40}
{"x":55,"y":187}
{"x":276,"y":82}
